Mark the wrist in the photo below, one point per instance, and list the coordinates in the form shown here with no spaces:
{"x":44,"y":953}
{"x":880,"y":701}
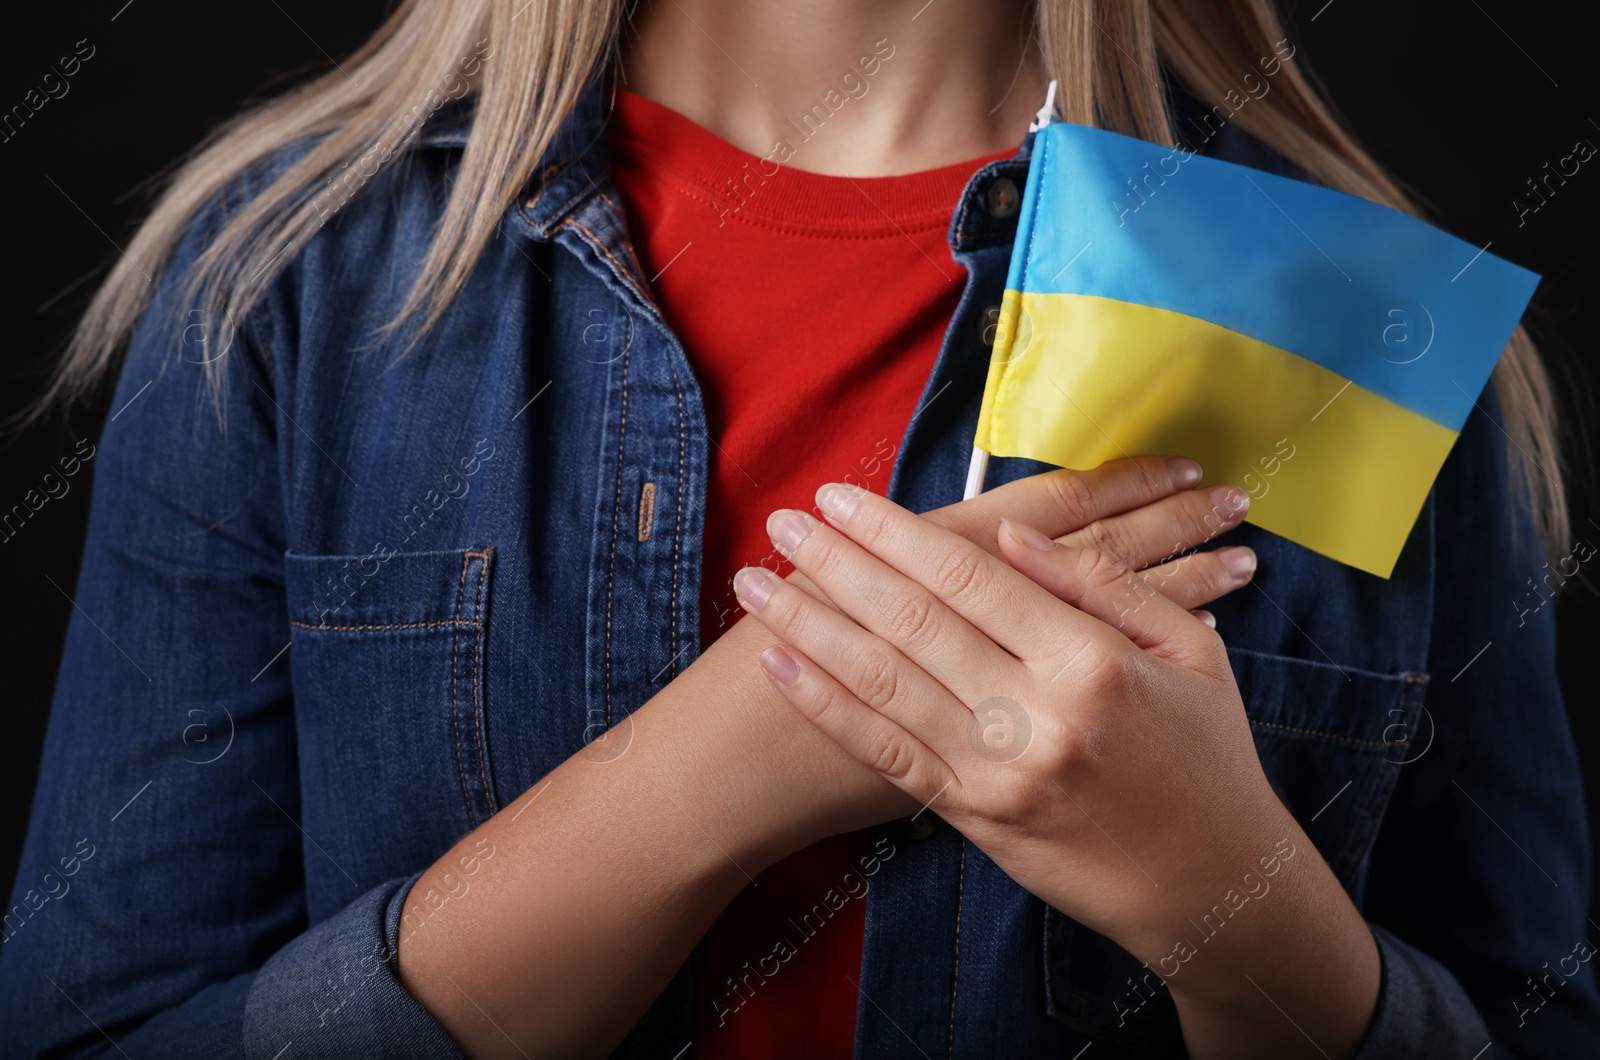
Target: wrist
{"x":766,"y":782}
{"x":1280,"y":959}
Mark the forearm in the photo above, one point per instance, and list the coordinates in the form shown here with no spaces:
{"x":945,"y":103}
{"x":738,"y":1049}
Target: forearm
{"x":1292,"y":971}
{"x":606,"y":874}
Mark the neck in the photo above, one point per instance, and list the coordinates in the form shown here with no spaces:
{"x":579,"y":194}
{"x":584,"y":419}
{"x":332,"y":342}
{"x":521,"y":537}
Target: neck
{"x":852,"y":89}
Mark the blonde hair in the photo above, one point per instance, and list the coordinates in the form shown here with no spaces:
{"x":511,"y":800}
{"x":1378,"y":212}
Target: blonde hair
{"x":537,"y":63}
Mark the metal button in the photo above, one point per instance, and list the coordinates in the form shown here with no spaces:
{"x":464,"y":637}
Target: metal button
{"x":1002,"y":199}
{"x":988,"y":323}
{"x":919,"y":827}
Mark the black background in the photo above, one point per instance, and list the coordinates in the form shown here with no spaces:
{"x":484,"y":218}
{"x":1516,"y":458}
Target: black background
{"x":1464,"y":100}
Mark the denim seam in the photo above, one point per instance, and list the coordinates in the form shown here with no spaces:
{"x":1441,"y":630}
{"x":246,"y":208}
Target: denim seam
{"x":677,"y":523}
{"x":566,"y":206}
{"x":315,"y":627}
{"x":955,"y":973}
{"x":616,"y":515}
{"x":621,"y":269}
{"x":623,"y":219}
{"x":1324,"y":735}
{"x":1376,"y":804}
{"x":455,"y":699}
{"x":557,"y":216}
{"x":1049,"y":965}
{"x":479,"y":713}
{"x":1376,"y":797}
{"x":1378,"y":800}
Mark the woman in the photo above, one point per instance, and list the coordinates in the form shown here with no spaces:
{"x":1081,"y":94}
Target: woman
{"x":408,"y":710}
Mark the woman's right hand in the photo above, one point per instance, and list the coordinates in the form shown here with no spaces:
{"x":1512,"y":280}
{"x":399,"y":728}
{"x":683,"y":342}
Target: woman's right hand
{"x":1144,"y":511}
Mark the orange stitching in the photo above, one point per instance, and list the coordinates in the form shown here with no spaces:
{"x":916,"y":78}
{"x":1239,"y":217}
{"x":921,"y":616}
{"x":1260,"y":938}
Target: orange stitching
{"x":455,"y":700}
{"x":616,"y":514}
{"x":677,"y":526}
{"x":622,"y":270}
{"x":570,"y":203}
{"x":955,"y":975}
{"x":610,"y":200}
{"x":357,"y":629}
{"x":622,"y":219}
{"x":1328,"y":735}
{"x":477,"y":695}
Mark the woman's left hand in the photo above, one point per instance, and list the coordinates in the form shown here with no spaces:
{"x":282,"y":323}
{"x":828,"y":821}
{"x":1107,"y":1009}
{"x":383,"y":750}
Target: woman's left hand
{"x":1082,"y":730}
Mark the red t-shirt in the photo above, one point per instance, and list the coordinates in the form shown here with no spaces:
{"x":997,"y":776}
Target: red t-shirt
{"x":812,"y":309}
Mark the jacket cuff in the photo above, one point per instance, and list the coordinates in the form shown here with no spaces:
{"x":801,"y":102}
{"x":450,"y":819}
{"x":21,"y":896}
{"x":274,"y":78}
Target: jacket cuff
{"x":333,"y":991}
{"x":1422,"y":1009}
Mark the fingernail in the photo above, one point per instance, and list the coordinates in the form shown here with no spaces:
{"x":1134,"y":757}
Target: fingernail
{"x":753,"y":587}
{"x":1184,"y":472}
{"x":1029,"y":536}
{"x":787,"y":528}
{"x":1240,"y":562}
{"x":1207,"y":617}
{"x":837,"y":501}
{"x":780,"y":666}
{"x":1230,"y":499}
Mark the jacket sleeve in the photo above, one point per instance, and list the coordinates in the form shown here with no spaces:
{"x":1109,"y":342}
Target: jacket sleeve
{"x":159,"y":909}
{"x":1479,"y":880}
{"x":1479,"y":884}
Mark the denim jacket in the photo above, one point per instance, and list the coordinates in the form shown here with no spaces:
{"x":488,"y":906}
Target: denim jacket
{"x":321,"y":637}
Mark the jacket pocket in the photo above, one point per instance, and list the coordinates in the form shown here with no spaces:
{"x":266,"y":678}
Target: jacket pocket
{"x":1331,"y":741}
{"x":388,"y":659}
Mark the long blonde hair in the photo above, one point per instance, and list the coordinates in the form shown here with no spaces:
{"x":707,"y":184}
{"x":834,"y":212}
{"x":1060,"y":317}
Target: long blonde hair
{"x":1105,"y":53}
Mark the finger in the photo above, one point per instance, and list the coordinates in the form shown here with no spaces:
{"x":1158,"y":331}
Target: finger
{"x":865,"y":665}
{"x":975,"y":585}
{"x":1062,"y":501}
{"x":1200,"y":577}
{"x":896,"y":608}
{"x":868,"y":736}
{"x":1168,"y":528}
{"x":1102,"y":586}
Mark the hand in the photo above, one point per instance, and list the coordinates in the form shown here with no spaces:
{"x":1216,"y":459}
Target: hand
{"x":1128,"y":793}
{"x":1143,"y":510}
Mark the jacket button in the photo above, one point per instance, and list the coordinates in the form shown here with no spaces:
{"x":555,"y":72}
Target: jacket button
{"x":1002,"y":199}
{"x":988,"y":322}
{"x":919,"y":827}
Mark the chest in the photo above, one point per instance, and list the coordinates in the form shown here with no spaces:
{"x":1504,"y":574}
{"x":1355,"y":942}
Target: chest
{"x":498,"y":552}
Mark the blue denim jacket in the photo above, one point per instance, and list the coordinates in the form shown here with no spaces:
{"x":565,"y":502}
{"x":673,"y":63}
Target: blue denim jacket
{"x":319,"y":640}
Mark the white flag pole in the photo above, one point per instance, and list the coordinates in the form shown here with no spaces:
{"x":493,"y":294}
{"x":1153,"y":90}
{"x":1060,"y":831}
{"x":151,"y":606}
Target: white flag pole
{"x":1047,"y":113}
{"x":975,"y":470}
{"x":980,"y":459}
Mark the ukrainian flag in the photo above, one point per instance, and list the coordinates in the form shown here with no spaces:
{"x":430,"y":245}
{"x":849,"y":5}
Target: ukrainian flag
{"x":1318,"y":349}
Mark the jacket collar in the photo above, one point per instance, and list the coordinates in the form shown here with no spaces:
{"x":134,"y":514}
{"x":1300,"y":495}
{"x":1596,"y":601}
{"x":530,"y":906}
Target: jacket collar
{"x":571,"y":167}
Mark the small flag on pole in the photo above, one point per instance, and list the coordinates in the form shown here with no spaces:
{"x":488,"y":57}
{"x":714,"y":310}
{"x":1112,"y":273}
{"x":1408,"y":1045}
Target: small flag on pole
{"x":1318,"y":349}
